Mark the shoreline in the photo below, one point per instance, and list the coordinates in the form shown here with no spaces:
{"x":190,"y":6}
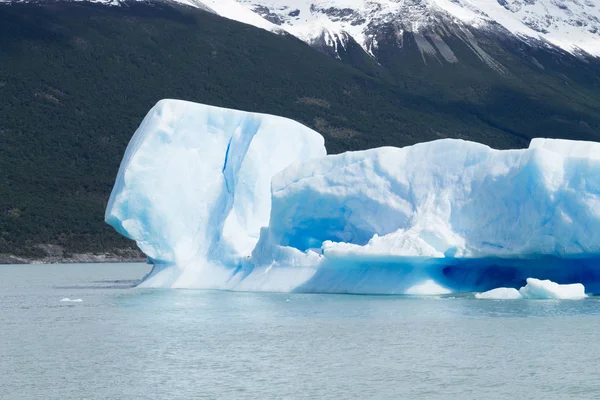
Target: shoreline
{"x":83,"y":258}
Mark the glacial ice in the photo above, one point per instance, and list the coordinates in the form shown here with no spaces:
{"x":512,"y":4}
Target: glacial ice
{"x":194,"y":184}
{"x":447,"y":198}
{"x":500,"y":294}
{"x":537,"y":289}
{"x":232,"y":200}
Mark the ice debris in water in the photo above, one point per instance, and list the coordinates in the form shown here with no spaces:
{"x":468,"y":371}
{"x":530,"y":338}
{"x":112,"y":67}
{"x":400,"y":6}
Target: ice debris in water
{"x":537,"y":289}
{"x":500,"y":294}
{"x":68,"y":300}
{"x":227,"y":199}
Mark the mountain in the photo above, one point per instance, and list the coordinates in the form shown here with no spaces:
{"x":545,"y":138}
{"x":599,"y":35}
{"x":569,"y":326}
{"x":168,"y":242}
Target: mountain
{"x":571,"y":25}
{"x":76,"y":79}
{"x":545,"y":34}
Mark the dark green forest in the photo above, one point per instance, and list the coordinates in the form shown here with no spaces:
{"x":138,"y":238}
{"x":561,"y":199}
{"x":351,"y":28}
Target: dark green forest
{"x":76,"y":79}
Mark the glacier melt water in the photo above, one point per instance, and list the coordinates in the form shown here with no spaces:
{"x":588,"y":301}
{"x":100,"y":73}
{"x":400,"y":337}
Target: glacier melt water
{"x":226,"y":199}
{"x":121,"y":342}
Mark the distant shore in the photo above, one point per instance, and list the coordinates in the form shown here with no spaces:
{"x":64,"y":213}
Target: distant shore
{"x":73,"y":259}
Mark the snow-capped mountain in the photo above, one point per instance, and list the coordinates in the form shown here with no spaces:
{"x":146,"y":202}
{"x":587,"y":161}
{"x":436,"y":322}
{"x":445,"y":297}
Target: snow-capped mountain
{"x":571,"y":25}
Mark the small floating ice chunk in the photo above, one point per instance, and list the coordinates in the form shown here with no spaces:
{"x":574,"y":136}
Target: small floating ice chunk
{"x":427,"y":288}
{"x":500,"y":294}
{"x":538,"y":289}
{"x":68,"y":300}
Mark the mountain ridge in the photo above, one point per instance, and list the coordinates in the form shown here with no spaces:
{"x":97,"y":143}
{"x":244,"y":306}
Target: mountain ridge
{"x":570,"y":25}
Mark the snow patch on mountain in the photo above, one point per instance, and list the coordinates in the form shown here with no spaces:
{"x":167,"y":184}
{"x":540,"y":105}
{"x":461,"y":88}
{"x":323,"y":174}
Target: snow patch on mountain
{"x":234,"y":10}
{"x":572,"y":25}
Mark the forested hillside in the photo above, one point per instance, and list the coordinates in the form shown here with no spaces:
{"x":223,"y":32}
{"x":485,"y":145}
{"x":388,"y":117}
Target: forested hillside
{"x":76,"y":79}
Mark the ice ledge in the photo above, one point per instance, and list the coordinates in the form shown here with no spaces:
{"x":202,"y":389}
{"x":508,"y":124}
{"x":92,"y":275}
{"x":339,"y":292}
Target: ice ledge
{"x":568,"y":148}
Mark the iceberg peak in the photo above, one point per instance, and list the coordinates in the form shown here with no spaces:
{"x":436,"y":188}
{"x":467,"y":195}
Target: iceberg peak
{"x":195,"y":180}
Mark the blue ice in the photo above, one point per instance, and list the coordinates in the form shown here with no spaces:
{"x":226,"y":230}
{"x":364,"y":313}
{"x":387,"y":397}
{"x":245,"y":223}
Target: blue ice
{"x":226,"y":199}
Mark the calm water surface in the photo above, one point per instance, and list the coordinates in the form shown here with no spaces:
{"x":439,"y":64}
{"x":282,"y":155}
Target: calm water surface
{"x":125,"y":343}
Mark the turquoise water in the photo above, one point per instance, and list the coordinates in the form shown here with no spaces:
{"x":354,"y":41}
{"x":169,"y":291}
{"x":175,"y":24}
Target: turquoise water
{"x":125,"y":343}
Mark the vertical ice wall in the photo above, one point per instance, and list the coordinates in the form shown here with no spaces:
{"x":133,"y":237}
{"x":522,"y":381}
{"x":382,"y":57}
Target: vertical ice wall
{"x":195,"y":181}
{"x":447,"y":198}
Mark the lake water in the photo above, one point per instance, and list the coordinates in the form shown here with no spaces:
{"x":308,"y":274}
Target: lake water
{"x":120,"y":342}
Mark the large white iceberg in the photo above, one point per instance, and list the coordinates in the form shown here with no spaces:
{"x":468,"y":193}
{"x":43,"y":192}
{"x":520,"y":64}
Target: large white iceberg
{"x":194,"y":185}
{"x":228,"y":199}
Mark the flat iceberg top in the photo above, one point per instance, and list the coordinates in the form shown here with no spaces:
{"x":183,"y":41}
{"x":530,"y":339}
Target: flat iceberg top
{"x":568,"y":148}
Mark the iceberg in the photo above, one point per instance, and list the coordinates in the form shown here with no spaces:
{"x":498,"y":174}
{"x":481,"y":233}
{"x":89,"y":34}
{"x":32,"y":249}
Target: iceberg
{"x":545,"y":289}
{"x":194,"y":185}
{"x":537,"y":289}
{"x":447,"y":198}
{"x":233,"y":200}
{"x":68,"y":300}
{"x":500,"y":294}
